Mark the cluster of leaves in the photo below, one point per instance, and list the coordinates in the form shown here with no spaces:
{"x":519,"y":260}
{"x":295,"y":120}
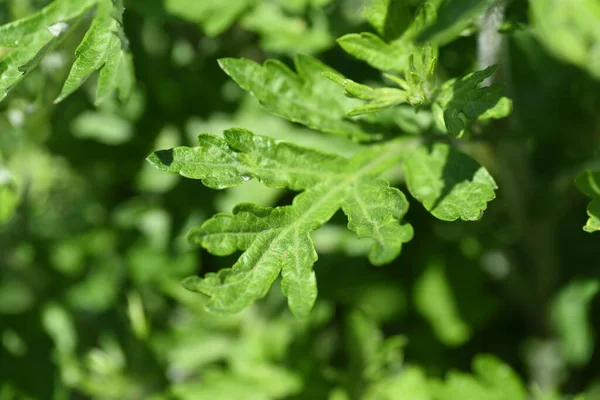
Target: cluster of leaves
{"x":314,"y":173}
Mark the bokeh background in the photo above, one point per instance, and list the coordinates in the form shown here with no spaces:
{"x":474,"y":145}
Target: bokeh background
{"x":92,"y":237}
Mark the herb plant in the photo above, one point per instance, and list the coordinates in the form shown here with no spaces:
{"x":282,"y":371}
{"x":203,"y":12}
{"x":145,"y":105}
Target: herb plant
{"x":379,"y":199}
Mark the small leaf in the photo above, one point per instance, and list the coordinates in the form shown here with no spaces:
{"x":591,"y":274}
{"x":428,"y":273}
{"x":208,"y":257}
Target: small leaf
{"x":375,"y":52}
{"x":448,"y":183}
{"x":570,"y":316}
{"x":379,"y":99}
{"x":436,"y":303}
{"x":463,"y":97}
{"x":588,"y":182}
{"x":374,"y":211}
{"x":306,"y":97}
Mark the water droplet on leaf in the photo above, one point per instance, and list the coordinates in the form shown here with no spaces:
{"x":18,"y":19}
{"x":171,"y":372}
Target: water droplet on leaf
{"x":245,"y":178}
{"x":58,"y":28}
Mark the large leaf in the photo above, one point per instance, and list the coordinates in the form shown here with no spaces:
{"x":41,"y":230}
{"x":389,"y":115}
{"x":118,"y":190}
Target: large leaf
{"x":277,"y":240}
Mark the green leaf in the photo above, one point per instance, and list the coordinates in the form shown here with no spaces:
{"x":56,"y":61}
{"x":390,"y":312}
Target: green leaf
{"x":570,"y":30}
{"x":215,"y":16}
{"x":450,"y":184}
{"x":463,"y":97}
{"x":103,"y":47}
{"x":570,"y":316}
{"x":389,"y":17}
{"x":375,"y":52}
{"x":277,"y":240}
{"x":454,"y":17}
{"x":9,"y":195}
{"x":436,"y":303}
{"x":588,"y":182}
{"x":243,"y":156}
{"x":374,"y":211}
{"x":27,"y":40}
{"x":282,"y":33}
{"x":306,"y":97}
{"x":393,"y":55}
{"x":493,"y":380}
{"x":378,"y":99}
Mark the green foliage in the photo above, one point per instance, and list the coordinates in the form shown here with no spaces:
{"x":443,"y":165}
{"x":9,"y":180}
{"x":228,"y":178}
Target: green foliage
{"x":589,"y":184}
{"x":569,"y":30}
{"x":104,"y":46}
{"x":268,"y":249}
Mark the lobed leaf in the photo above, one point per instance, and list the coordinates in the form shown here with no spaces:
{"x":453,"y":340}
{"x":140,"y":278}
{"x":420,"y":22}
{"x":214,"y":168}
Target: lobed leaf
{"x":277,"y":240}
{"x":450,"y":184}
{"x":242,"y":156}
{"x":306,"y":97}
{"x":102,"y":47}
{"x":389,"y":17}
{"x":27,"y":40}
{"x":463,"y":97}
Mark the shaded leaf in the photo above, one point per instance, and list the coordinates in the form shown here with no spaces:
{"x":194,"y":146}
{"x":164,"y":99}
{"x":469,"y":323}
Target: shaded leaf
{"x":570,"y":316}
{"x":463,"y":97}
{"x":449,"y":183}
{"x":588,"y":182}
{"x":570,"y":30}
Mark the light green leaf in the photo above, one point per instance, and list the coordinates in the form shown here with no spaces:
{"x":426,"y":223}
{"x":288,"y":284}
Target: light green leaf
{"x":570,"y":317}
{"x":374,"y":211}
{"x":215,"y":16}
{"x":105,"y":128}
{"x":570,"y":30}
{"x":282,"y":33}
{"x":588,"y":182}
{"x":9,"y":195}
{"x":243,"y":156}
{"x":389,"y":17}
{"x":103,"y":47}
{"x":277,"y":240}
{"x":463,"y":97}
{"x":306,"y":97}
{"x":492,"y":380}
{"x":449,"y":183}
{"x":454,"y":17}
{"x":436,"y":303}
{"x":378,"y":99}
{"x":27,"y":40}
{"x":392,"y":55}
{"x":375,"y":52}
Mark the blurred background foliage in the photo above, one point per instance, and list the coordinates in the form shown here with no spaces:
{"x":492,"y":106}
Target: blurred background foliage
{"x":92,"y":245}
